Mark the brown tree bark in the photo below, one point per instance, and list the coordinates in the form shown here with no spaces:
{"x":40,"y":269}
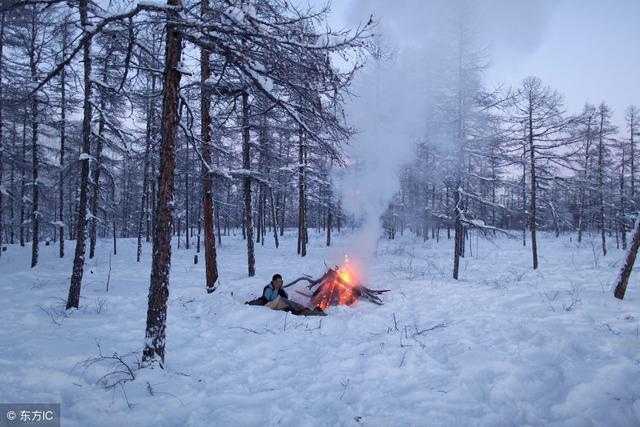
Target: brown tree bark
{"x":625,"y":272}
{"x":246,"y":165}
{"x":155,"y":333}
{"x":210,"y":258}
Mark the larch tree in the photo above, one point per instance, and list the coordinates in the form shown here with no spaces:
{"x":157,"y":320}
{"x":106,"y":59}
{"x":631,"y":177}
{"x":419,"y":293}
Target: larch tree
{"x":538,"y":115}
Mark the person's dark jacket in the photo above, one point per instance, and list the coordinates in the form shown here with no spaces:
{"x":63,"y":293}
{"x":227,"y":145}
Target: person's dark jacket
{"x":269,"y":292}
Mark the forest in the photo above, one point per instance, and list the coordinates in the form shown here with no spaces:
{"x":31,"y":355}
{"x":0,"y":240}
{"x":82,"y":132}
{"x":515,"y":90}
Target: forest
{"x":160,"y":161}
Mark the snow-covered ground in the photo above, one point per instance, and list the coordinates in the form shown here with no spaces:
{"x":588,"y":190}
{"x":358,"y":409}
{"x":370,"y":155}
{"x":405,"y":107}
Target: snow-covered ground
{"x":504,"y":346}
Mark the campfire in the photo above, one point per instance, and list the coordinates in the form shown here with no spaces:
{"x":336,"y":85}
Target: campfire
{"x":338,"y":286}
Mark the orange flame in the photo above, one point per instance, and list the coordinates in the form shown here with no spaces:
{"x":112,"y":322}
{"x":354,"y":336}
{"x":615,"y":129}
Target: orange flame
{"x":338,"y":291}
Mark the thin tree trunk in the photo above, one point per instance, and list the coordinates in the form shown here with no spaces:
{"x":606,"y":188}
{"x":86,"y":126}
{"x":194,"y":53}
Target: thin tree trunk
{"x":329,"y":225}
{"x":35,"y":215}
{"x":632,"y":126}
{"x":63,"y":130}
{"x":457,"y":249}
{"x":246,"y":165}
{"x":161,"y":263}
{"x":623,"y":229}
{"x":96,"y":182}
{"x":274,"y":218}
{"x":601,"y":184}
{"x":524,"y":193}
{"x":73,"y":299}
{"x":532,"y":214}
{"x":13,"y":191}
{"x":211,"y":263}
{"x":1,"y":125}
{"x":302,"y":227}
{"x":23,"y":177}
{"x":187,"y":190}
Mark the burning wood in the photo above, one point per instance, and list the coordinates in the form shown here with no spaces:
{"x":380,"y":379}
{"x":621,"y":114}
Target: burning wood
{"x":338,"y":286}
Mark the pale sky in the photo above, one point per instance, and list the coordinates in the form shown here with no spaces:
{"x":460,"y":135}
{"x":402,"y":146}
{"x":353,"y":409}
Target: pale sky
{"x":589,"y":50}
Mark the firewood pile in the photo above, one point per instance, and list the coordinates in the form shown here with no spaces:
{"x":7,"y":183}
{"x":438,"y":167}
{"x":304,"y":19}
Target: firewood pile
{"x":335,"y":287}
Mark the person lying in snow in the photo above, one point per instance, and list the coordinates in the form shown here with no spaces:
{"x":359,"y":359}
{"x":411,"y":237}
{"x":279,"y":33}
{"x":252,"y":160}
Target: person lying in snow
{"x":277,"y":299}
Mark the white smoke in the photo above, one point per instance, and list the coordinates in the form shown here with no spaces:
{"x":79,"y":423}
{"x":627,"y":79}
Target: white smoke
{"x":389,"y":113}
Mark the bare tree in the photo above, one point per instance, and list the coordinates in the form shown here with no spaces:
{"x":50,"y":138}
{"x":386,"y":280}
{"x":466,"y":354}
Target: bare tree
{"x":539,"y":110}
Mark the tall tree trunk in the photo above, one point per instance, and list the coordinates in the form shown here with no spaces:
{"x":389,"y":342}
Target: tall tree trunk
{"x":621,"y":217}
{"x":601,"y":183}
{"x":73,"y":299}
{"x":187,"y":210}
{"x":329,"y":224}
{"x":23,"y":177}
{"x":274,"y":217}
{"x":457,"y":223}
{"x":632,"y":126}
{"x":211,"y":262}
{"x":125,"y":197}
{"x":161,"y":263}
{"x":1,"y":125}
{"x":97,"y":165}
{"x":532,"y":224}
{"x":524,"y":193}
{"x":246,"y":165}
{"x":302,"y":226}
{"x":35,"y":215}
{"x":63,"y":133}
{"x":12,"y":183}
{"x":625,"y":272}
{"x":586,"y":179}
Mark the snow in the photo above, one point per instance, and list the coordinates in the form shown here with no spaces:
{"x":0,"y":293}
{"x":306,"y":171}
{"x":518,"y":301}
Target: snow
{"x":505,"y":345}
{"x":90,"y":28}
{"x":85,"y":156}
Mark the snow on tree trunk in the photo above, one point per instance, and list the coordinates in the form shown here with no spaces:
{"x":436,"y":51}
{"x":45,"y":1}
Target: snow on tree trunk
{"x":161,"y":262}
{"x":625,"y":271}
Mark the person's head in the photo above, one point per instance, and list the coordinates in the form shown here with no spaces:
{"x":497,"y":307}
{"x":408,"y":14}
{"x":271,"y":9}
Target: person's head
{"x":277,"y":281}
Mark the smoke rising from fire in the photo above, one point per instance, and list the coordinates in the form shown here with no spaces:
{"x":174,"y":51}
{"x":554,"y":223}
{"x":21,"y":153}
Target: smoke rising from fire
{"x":389,"y":115}
{"x":396,"y":96}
